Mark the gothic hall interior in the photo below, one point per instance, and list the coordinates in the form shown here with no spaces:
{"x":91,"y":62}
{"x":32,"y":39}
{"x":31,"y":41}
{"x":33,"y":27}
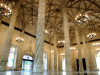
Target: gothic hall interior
{"x":49,"y":36}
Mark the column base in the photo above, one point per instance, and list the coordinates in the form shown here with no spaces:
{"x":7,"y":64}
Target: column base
{"x":88,"y":70}
{"x":69,"y":69}
{"x":38,"y":68}
{"x":18,"y":69}
{"x":3,"y":68}
{"x":96,"y":70}
{"x":48,"y":70}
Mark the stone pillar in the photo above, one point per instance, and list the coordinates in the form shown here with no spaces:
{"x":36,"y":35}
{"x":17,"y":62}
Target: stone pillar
{"x":79,"y":49}
{"x":67,"y":41}
{"x":55,"y":51}
{"x":72,"y":58}
{"x":90,"y":57}
{"x":4,"y":60}
{"x":19,"y":54}
{"x":93,"y":62}
{"x":39,"y":47}
{"x":75,"y":65}
{"x":86,"y":53}
{"x":59,"y":61}
{"x":0,"y":20}
{"x":49,"y":58}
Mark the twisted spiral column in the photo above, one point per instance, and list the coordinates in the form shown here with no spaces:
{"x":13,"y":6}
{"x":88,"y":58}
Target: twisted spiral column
{"x":49,"y":58}
{"x":89,"y":53}
{"x":86,"y":53}
{"x":67,"y":41}
{"x":0,"y":20}
{"x":55,"y":51}
{"x":39,"y":47}
{"x":79,"y":49}
{"x":93,"y":60}
{"x":4,"y":60}
{"x":72,"y":58}
{"x":19,"y":54}
{"x":58,"y":59}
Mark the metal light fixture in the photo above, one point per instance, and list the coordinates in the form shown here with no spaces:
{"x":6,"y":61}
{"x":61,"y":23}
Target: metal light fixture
{"x":82,"y":18}
{"x":92,"y":33}
{"x":98,"y":49}
{"x":45,"y":32}
{"x":96,"y":44}
{"x":72,"y":48}
{"x":19,"y":39}
{"x":52,"y":51}
{"x":4,"y":10}
{"x":62,"y":54}
{"x":61,"y":42}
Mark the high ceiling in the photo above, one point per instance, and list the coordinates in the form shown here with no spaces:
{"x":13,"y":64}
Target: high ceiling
{"x":28,"y":12}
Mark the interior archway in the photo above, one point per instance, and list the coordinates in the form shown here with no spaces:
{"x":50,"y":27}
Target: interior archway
{"x":27,"y":63}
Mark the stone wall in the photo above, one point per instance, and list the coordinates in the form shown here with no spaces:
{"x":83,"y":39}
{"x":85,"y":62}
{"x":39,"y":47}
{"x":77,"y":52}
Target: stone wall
{"x":26,"y":43}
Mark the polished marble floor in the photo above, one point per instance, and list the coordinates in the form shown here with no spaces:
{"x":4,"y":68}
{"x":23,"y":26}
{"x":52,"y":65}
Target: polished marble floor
{"x":48,"y":73}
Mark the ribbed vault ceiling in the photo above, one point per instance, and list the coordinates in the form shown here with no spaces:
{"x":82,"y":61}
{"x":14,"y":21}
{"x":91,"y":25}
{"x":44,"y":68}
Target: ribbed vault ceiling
{"x":28,"y":13}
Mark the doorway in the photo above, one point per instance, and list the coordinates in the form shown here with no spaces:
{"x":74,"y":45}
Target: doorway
{"x":27,"y":63}
{"x":63,"y":63}
{"x":84,"y":64}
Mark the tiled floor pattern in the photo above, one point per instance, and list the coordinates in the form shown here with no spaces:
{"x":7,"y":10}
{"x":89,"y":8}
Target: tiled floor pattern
{"x":48,"y":73}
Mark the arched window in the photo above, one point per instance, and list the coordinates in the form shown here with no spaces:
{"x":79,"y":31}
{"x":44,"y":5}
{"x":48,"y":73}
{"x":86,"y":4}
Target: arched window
{"x":11,"y":57}
{"x":27,"y":57}
{"x":98,"y":60}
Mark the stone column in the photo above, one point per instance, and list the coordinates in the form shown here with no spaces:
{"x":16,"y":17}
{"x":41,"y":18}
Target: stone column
{"x":67,"y":41}
{"x":79,"y":49}
{"x":49,"y":58}
{"x":39,"y":47}
{"x":90,"y":57}
{"x":86,"y":53}
{"x":94,"y":65}
{"x":75,"y":55}
{"x":4,"y":60}
{"x":59,"y":61}
{"x":0,"y":20}
{"x":55,"y":51}
{"x":72,"y":58}
{"x":19,"y":54}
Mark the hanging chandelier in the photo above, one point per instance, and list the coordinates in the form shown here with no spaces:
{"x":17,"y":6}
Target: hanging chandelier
{"x":4,"y":10}
{"x":19,"y":39}
{"x":92,"y":31}
{"x":61,"y":42}
{"x":82,"y":18}
{"x":91,"y":35}
{"x":45,"y":32}
{"x":62,"y":54}
{"x":96,"y":44}
{"x":72,"y":48}
{"x":98,"y":49}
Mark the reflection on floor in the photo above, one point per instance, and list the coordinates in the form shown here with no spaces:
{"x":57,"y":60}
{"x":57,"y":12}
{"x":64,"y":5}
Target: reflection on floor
{"x":48,"y":73}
